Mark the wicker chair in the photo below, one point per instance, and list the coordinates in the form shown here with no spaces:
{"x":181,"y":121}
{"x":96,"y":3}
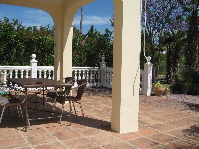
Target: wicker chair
{"x":53,"y":94}
{"x":73,"y":99}
{"x":18,"y":104}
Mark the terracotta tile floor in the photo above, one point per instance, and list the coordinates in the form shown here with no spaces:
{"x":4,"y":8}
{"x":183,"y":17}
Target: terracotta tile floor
{"x":163,"y":124}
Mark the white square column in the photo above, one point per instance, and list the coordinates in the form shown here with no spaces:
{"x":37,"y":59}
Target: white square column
{"x":126,"y":70}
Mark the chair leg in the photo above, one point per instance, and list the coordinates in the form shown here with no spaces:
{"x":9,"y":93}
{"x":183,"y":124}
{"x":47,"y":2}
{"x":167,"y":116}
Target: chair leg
{"x":62,"y":110}
{"x":81,"y":109}
{"x":54,"y":105}
{"x":44,"y":104}
{"x":2,"y":113}
{"x":70,"y":110}
{"x":74,"y":107}
{"x":28,"y":120}
{"x":17,"y":111}
{"x":21,"y":113}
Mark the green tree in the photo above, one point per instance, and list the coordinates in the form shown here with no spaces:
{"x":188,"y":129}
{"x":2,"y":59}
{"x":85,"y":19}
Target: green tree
{"x":88,"y":49}
{"x":19,"y":43}
{"x":192,"y":50}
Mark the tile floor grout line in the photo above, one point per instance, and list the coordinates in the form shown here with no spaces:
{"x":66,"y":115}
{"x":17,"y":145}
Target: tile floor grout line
{"x":29,"y":144}
{"x":159,"y":131}
{"x":180,"y":139}
{"x":125,"y":140}
{"x":168,"y":124}
{"x":152,"y":139}
{"x":22,"y":135}
{"x":160,"y":146}
{"x":106,"y":133}
{"x":183,"y":139}
{"x":58,"y":140}
{"x":165,"y":144}
{"x":35,"y":135}
{"x":122,"y":141}
{"x":84,"y":136}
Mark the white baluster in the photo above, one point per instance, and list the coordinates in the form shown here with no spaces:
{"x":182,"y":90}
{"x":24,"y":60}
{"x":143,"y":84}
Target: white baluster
{"x":92,"y":78}
{"x":76,"y":76}
{"x":88,"y":78}
{"x":83,"y":74}
{"x":40,"y":73}
{"x":9,"y":72}
{"x":79,"y":74}
{"x":4,"y":77}
{"x":52,"y":74}
{"x":94,"y":73}
{"x":45,"y":73}
{"x":27,"y":73}
{"x":22,"y":73}
{"x":48,"y":72}
{"x":16,"y":73}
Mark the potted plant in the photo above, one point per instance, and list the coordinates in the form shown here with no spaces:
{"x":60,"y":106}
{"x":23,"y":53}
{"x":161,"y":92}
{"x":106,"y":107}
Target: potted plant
{"x":159,"y":89}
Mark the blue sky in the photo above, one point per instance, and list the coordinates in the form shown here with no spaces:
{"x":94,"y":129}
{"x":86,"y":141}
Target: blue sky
{"x":97,"y":13}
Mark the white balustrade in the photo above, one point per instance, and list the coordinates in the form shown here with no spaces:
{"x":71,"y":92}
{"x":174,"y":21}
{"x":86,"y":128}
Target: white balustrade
{"x":96,"y":76}
{"x":89,"y":73}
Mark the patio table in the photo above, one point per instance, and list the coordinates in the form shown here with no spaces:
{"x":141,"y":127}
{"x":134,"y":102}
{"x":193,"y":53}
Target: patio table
{"x":36,"y":83}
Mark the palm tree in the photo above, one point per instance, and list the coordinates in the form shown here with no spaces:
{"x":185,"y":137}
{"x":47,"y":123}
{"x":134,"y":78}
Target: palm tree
{"x":81,"y":19}
{"x":192,"y":51}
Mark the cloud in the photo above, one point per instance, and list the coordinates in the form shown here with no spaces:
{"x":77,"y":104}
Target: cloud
{"x":36,"y":17}
{"x":93,"y":20}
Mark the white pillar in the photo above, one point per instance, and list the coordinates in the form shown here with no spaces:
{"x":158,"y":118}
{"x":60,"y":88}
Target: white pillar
{"x":126,"y":70}
{"x":33,"y":64}
{"x":148,"y":77}
{"x":102,"y":72}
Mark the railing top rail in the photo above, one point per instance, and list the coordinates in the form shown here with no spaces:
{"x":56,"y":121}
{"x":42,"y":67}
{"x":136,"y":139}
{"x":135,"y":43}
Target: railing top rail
{"x":14,"y":67}
{"x":85,"y":68}
{"x":45,"y":67}
{"x":107,"y":68}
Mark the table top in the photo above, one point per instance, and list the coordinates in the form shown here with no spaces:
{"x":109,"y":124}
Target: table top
{"x":38,"y":82}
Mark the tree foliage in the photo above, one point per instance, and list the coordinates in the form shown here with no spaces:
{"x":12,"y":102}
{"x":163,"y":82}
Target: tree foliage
{"x":164,"y":18}
{"x":192,"y":49}
{"x":88,"y":49}
{"x":18,"y":43}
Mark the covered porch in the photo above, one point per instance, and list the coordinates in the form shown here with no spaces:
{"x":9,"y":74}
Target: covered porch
{"x":127,"y":45}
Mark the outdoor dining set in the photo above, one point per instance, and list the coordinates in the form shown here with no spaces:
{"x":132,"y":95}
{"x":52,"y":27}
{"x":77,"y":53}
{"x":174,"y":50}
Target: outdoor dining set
{"x":58,"y":91}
